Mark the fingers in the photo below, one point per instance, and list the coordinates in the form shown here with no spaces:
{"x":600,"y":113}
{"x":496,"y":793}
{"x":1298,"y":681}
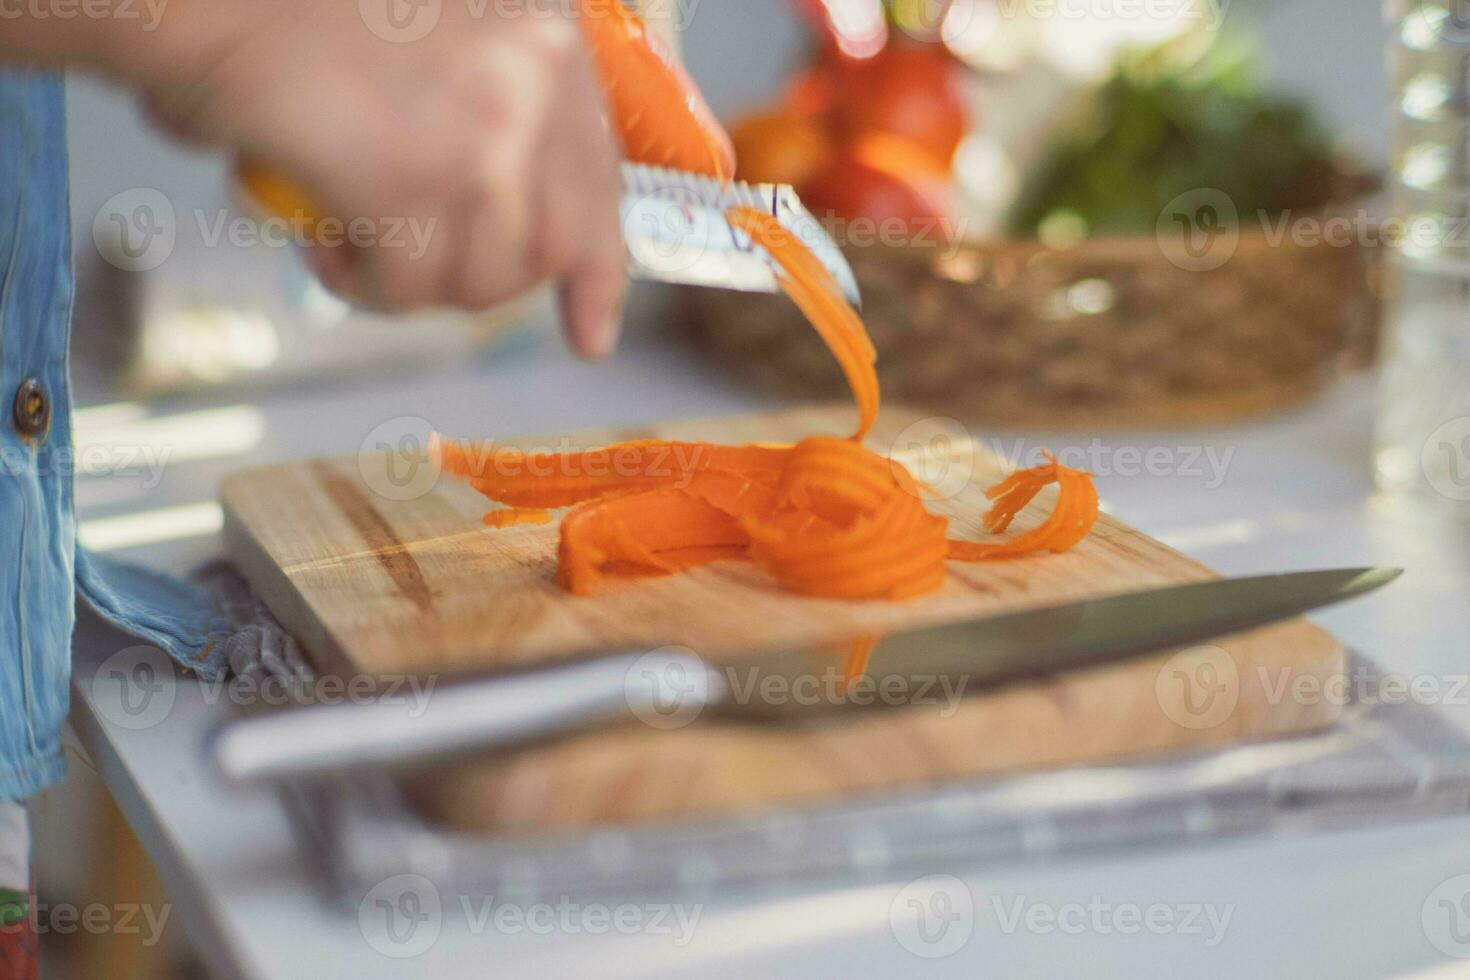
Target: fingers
{"x":592,"y":286}
{"x":335,"y":268}
{"x":592,"y":290}
{"x":474,"y":165}
{"x":591,"y":303}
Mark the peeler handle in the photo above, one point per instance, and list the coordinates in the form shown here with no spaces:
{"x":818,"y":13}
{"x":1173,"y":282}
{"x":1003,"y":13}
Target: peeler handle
{"x":410,"y":726}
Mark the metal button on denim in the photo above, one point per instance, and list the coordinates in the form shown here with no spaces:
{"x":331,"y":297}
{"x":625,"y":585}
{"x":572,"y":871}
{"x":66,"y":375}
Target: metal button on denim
{"x":32,"y":409}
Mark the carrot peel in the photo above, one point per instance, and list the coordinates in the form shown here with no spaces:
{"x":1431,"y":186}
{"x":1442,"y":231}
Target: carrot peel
{"x":512,"y":516}
{"x":826,"y":517}
{"x":812,"y":288}
{"x":1073,"y":517}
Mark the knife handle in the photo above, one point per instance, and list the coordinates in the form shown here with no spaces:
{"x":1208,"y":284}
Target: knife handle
{"x":277,"y":194}
{"x":430,"y":723}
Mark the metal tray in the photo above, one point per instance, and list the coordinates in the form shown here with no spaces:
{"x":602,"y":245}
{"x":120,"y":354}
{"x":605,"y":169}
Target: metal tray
{"x":1381,"y":761}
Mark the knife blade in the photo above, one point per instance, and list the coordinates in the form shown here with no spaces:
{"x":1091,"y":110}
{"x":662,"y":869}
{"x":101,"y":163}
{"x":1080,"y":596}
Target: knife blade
{"x":671,"y":686}
{"x":675,"y":230}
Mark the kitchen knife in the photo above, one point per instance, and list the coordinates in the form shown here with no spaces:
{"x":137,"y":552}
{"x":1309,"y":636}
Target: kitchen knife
{"x":673,"y":686}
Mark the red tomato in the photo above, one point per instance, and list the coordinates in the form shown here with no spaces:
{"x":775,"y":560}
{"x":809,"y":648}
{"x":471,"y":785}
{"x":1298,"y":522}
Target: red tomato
{"x":909,"y":90}
{"x":849,"y":189}
{"x":810,"y":92}
{"x":779,"y":148}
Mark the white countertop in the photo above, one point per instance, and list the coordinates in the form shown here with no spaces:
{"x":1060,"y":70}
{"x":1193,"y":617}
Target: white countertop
{"x":1293,"y":493}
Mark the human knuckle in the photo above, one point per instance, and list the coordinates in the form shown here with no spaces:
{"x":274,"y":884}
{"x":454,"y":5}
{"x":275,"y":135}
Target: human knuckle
{"x":481,"y":79}
{"x":475,"y":293}
{"x":553,"y":252}
{"x":495,"y":164}
{"x":484,"y":279}
{"x":554,"y":41}
{"x":400,"y":284}
{"x":403,"y":176}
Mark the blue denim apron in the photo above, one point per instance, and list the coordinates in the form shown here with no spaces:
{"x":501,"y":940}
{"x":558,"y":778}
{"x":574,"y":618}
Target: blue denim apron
{"x":41,"y":569}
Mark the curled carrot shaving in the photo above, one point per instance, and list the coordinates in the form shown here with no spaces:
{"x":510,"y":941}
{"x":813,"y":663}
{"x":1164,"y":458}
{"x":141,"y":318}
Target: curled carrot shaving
{"x":836,"y":520}
{"x":1072,"y":518}
{"x":657,"y":532}
{"x":814,"y":291}
{"x":550,"y":479}
{"x":859,"y":650}
{"x":864,"y":545}
{"x":511,"y":516}
{"x":833,"y":519}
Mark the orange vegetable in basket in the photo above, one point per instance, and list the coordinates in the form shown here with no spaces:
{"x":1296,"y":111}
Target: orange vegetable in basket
{"x":909,"y":90}
{"x":779,"y":148}
{"x":811,"y":92}
{"x":850,"y":188}
{"x":900,"y":157}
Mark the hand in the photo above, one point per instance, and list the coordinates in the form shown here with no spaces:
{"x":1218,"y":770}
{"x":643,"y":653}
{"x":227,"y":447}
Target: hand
{"x":486,"y":135}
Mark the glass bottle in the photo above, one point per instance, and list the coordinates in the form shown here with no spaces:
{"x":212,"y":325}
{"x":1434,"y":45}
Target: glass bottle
{"x":1422,"y":445}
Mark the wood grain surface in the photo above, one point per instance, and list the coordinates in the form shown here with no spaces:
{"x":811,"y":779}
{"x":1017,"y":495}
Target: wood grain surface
{"x":379,"y":567}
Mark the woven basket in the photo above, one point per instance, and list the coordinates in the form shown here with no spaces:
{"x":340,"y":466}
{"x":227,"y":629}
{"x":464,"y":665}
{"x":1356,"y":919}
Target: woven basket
{"x":1111,"y":332}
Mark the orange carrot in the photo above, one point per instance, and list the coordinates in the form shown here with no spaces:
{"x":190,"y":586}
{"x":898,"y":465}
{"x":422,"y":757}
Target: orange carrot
{"x":656,"y":108}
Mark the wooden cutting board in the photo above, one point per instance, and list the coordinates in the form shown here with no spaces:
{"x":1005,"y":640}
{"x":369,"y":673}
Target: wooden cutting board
{"x":373,"y":583}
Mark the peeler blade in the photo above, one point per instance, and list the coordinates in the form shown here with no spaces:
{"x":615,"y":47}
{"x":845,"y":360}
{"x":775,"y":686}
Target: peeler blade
{"x":675,"y":230}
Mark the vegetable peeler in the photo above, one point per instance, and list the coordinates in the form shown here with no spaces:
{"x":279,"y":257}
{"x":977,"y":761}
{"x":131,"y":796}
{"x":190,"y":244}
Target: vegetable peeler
{"x":675,"y":230}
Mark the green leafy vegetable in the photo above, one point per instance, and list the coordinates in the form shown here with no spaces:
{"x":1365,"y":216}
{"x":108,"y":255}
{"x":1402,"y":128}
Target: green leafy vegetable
{"x":1173,"y":119}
